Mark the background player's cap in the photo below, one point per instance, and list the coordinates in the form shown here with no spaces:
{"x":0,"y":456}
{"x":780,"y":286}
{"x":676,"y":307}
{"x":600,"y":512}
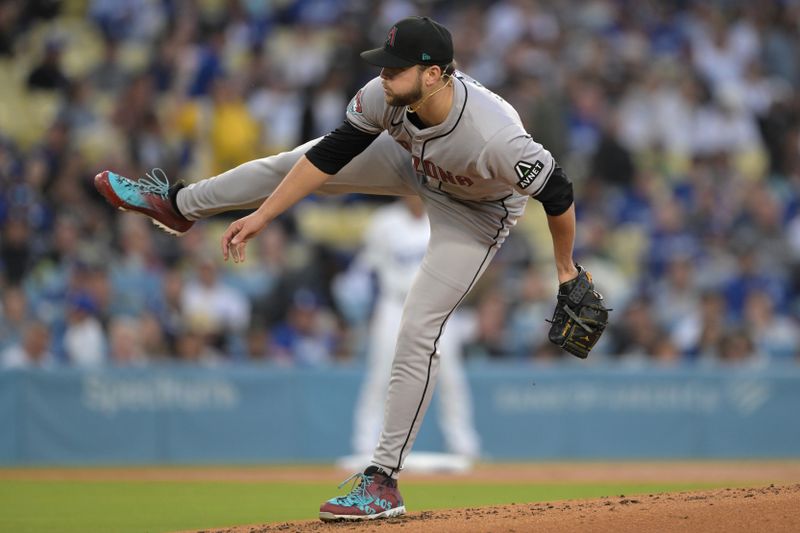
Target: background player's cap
{"x":413,"y":41}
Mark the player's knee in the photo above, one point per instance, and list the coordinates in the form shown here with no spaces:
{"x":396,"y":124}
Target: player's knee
{"x":418,"y":339}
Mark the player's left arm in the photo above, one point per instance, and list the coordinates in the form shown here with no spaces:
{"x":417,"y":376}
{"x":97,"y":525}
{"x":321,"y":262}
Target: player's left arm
{"x":513,"y":156}
{"x":562,"y":231}
{"x":580,"y":315}
{"x":557,"y":199}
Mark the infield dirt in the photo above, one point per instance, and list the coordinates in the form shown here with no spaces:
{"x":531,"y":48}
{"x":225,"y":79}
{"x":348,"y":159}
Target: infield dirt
{"x":774,"y":509}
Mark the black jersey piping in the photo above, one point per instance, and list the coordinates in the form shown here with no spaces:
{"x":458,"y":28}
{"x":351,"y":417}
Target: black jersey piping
{"x":394,"y":111}
{"x":410,"y":135}
{"x":448,"y":132}
{"x":441,"y":328}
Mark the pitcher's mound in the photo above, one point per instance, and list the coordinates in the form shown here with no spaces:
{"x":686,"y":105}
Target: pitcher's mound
{"x":774,"y":508}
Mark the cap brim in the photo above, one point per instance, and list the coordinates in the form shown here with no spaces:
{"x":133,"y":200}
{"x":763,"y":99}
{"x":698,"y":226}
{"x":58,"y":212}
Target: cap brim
{"x":381,"y":58}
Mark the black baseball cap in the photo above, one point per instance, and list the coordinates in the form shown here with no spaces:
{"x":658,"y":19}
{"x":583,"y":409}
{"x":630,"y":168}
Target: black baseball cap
{"x":413,"y":41}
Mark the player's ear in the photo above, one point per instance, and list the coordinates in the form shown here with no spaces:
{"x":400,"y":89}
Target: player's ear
{"x":434,"y":73}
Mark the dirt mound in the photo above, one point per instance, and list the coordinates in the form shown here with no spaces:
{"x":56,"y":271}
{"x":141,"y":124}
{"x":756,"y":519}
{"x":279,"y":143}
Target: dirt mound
{"x":773,"y":508}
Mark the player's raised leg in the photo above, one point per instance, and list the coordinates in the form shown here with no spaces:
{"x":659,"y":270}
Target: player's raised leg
{"x":383,"y":168}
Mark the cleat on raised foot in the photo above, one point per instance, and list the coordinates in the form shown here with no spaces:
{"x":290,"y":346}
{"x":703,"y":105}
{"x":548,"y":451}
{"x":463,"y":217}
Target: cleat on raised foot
{"x":374,"y":495}
{"x":148,"y":194}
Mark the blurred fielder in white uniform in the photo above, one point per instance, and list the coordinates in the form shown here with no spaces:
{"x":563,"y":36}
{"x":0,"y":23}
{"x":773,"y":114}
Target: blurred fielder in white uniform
{"x":394,"y":246}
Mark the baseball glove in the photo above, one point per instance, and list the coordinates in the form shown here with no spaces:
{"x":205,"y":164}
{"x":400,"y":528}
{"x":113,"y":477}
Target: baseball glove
{"x":579,"y":317}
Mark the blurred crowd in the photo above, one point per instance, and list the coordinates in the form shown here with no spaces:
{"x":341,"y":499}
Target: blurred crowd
{"x":678,"y":121}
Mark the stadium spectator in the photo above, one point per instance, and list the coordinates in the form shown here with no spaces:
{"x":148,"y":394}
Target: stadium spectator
{"x":166,"y":307}
{"x":192,"y":346}
{"x":699,"y":333}
{"x":665,"y":353}
{"x":48,"y":74}
{"x":108,"y":75}
{"x":16,"y":255}
{"x":257,"y":345}
{"x":637,"y":333}
{"x":261,"y":278}
{"x":308,"y":337}
{"x":675,"y":295}
{"x":213,"y":308}
{"x":153,"y":339}
{"x":125,"y":343}
{"x":85,"y":341}
{"x":14,"y":315}
{"x":774,"y":336}
{"x":135,"y":272}
{"x":526,"y":329}
{"x":490,"y":340}
{"x":31,"y":351}
{"x":234,"y":133}
{"x":736,"y":348}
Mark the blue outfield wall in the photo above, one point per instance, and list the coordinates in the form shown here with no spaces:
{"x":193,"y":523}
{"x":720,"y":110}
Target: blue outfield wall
{"x":251,"y":414}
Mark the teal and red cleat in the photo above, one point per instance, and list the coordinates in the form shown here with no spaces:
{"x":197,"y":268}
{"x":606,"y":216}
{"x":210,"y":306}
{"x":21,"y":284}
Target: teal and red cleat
{"x":149,"y":194}
{"x":374,"y":496}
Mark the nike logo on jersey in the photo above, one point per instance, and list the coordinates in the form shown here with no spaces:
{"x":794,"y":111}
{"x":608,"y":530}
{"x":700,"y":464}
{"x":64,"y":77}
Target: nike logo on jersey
{"x":527,"y":172}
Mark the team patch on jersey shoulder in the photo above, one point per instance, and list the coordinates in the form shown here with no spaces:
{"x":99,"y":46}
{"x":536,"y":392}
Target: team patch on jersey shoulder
{"x":527,"y":172}
{"x":355,"y":103}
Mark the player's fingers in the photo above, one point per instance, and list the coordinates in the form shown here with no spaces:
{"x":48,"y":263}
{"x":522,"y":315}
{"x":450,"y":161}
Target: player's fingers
{"x":229,"y":234}
{"x":224,"y":245}
{"x":224,"y":242}
{"x":238,"y":245}
{"x":236,"y":251}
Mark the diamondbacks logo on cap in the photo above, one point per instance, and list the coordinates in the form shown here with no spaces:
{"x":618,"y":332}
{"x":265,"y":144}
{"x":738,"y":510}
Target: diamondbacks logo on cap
{"x":527,"y":172}
{"x":390,"y":37}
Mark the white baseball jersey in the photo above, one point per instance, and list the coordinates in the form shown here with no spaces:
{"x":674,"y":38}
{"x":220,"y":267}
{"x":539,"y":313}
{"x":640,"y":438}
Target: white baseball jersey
{"x":480,"y":152}
{"x":395,"y":244}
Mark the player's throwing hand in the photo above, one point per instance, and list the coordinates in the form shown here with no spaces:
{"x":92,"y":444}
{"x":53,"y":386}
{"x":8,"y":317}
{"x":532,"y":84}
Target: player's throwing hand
{"x":234,"y":240}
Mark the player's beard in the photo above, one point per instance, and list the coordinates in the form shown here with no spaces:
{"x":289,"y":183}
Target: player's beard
{"x":412,"y":96}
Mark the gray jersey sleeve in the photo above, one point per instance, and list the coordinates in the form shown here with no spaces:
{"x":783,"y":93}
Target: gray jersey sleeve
{"x":513,"y":156}
{"x":367,"y":110}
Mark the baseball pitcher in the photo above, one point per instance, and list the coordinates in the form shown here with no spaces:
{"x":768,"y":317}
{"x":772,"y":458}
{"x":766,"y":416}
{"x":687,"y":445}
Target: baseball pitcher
{"x":420,"y":128}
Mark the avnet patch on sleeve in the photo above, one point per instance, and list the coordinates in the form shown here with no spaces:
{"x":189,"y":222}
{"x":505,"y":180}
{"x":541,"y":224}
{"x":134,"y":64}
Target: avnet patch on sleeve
{"x":527,"y":172}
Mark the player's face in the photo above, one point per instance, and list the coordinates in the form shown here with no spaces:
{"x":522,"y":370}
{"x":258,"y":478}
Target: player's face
{"x":402,"y":86}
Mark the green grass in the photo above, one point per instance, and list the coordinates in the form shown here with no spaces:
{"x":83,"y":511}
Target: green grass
{"x":136,"y":506}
